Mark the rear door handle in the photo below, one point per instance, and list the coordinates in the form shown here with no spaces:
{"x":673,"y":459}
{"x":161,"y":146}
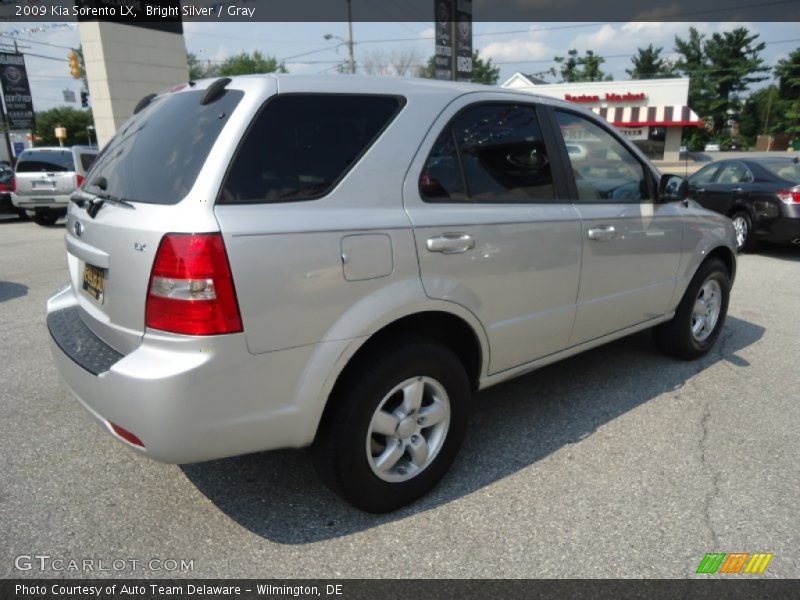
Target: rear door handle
{"x":451,"y":243}
{"x":602,"y":233}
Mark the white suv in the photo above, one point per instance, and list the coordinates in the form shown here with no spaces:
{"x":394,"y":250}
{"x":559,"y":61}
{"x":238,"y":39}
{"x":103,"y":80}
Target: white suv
{"x":47,"y":177}
{"x":281,"y":261}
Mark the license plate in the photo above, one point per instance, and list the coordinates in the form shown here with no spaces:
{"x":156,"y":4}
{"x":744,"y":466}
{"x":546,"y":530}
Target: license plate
{"x":94,"y":279}
{"x":41,"y":185}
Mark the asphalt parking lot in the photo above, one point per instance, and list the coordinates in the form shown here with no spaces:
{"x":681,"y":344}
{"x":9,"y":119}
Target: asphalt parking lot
{"x":615,"y":463}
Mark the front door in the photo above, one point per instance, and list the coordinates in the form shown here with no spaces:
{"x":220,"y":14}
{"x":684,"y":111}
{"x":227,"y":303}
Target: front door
{"x":631,"y":243}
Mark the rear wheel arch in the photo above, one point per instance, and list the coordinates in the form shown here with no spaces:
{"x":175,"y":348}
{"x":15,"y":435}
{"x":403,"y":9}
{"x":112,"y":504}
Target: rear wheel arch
{"x":443,"y":327}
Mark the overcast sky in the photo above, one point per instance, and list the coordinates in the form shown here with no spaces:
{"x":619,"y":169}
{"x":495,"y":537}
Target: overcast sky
{"x":526,"y":47}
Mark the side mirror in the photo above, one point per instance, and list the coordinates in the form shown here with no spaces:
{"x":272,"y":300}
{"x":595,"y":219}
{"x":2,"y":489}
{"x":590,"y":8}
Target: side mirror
{"x":672,"y":188}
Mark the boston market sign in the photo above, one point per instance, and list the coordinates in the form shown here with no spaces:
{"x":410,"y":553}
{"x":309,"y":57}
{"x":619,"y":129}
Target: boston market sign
{"x":609,"y":97}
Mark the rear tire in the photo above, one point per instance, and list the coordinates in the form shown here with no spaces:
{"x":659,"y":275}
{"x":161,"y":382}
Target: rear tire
{"x":700,"y":316}
{"x":743,"y":225}
{"x":23,"y":214}
{"x":394,"y":424}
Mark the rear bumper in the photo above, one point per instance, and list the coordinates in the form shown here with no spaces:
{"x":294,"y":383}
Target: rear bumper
{"x":186,"y":398}
{"x":786,"y":228}
{"x":41,"y":201}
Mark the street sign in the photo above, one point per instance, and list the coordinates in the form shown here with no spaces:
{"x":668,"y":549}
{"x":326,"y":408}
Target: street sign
{"x":453,"y":39}
{"x":16,"y":91}
{"x":69,"y":96}
{"x":18,"y":148}
{"x":463,"y":45}
{"x":444,"y":41}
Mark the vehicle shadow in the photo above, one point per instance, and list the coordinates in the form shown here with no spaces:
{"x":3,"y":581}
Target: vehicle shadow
{"x":780,"y":251}
{"x":277,"y":495}
{"x":10,"y":290}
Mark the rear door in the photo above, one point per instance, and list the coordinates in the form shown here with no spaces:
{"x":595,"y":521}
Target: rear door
{"x":631,"y":245}
{"x":494,"y":232}
{"x":45,"y":173}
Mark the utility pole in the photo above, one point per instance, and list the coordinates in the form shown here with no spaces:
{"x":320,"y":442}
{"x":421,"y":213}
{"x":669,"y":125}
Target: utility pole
{"x":352,"y":61}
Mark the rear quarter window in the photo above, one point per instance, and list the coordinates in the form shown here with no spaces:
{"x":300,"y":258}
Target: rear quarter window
{"x":300,"y":146}
{"x":38,"y":161}
{"x":87,"y":160}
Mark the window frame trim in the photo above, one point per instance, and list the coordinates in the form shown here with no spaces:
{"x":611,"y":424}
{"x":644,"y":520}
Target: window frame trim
{"x":401,"y":104}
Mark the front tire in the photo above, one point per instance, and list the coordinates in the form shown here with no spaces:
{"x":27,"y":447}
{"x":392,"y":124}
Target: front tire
{"x":394,"y":425}
{"x":743,"y":225}
{"x":700,"y":316}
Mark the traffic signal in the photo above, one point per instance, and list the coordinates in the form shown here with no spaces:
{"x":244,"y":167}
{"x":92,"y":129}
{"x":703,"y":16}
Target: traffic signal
{"x":74,"y":65}
{"x":84,"y":99}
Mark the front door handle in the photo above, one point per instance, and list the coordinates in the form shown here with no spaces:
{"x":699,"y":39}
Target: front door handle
{"x":451,"y":243}
{"x":602,"y":233}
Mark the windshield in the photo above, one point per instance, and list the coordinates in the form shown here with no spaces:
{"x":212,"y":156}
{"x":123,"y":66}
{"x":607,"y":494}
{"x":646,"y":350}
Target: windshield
{"x":156,"y":156}
{"x":789,"y":169}
{"x":36,"y":161}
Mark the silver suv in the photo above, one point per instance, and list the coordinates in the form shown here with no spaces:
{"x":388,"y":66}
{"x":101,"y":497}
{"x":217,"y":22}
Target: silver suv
{"x":47,"y":177}
{"x":281,"y":261}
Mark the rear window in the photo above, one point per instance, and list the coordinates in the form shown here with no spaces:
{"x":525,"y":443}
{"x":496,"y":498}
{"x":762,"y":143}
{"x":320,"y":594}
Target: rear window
{"x":37,"y":161}
{"x":789,"y":170}
{"x":156,"y":156}
{"x":300,"y":145}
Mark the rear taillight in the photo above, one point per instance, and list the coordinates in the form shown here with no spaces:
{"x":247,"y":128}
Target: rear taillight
{"x":79,"y":180}
{"x":13,"y":184}
{"x":4,"y":187}
{"x":791,"y":196}
{"x":191,"y":288}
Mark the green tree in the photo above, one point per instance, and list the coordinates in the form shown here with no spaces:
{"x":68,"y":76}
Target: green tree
{"x":764,"y":112}
{"x":648,"y":64}
{"x":247,"y":64}
{"x":75,"y":121}
{"x":199,"y":69}
{"x":721,"y":68}
{"x":581,"y":68}
{"x":788,"y":73}
{"x":482,"y":70}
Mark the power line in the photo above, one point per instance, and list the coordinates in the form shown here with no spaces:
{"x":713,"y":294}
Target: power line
{"x":6,"y":35}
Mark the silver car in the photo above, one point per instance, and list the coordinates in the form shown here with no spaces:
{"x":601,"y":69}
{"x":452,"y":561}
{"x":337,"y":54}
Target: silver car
{"x":284,"y":261}
{"x":47,"y":177}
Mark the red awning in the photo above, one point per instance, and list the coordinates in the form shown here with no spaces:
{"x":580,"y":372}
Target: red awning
{"x":641,"y":116}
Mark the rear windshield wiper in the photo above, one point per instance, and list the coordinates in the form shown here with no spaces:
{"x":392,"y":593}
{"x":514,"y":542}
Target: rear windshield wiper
{"x":94,"y":202}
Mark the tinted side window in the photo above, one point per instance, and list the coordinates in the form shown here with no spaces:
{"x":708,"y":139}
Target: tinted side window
{"x":704,"y":175}
{"x":86,"y":161}
{"x":604,"y":170}
{"x":300,"y":145}
{"x":502,"y":154}
{"x":734,"y":173}
{"x":45,"y":161}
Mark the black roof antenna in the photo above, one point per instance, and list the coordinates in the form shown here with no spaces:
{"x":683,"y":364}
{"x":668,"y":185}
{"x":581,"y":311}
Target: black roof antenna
{"x":144,"y":102}
{"x":215,"y":90}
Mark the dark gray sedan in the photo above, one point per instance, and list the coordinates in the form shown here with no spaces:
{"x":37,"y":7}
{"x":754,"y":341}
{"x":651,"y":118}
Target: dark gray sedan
{"x":761,"y":195}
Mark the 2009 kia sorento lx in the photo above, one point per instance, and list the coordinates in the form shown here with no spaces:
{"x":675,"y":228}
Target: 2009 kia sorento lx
{"x":281,"y":261}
